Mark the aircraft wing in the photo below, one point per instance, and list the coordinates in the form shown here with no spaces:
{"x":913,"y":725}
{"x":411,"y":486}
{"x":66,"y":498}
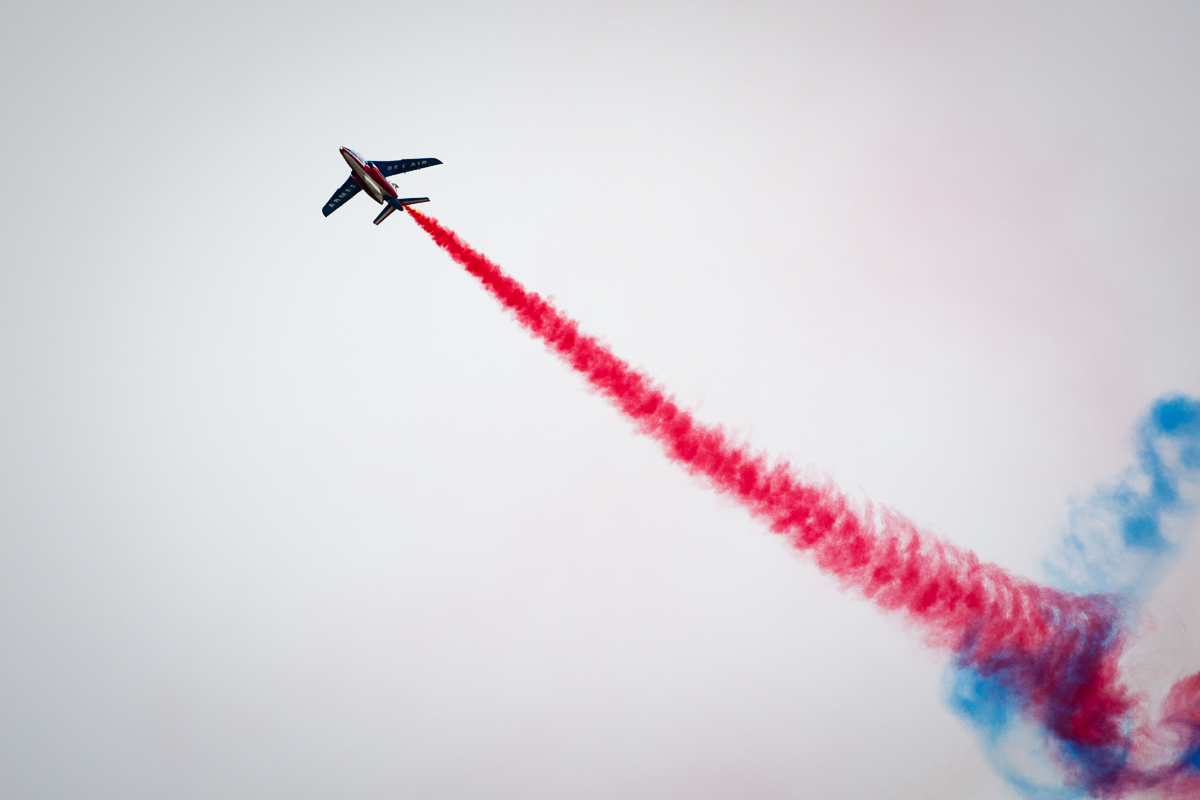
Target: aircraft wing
{"x":405,"y":165}
{"x":347,"y":190}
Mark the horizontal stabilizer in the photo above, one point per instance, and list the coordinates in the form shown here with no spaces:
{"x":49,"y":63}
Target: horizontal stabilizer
{"x":401,"y":202}
{"x":387,"y":210}
{"x":405,"y":165}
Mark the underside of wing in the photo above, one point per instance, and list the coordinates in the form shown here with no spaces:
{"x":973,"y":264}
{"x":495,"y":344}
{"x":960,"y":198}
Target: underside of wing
{"x":405,"y":165}
{"x":347,"y":190}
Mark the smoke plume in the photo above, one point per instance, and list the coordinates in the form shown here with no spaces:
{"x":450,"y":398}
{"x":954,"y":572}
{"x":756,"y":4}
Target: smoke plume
{"x":1021,"y":652}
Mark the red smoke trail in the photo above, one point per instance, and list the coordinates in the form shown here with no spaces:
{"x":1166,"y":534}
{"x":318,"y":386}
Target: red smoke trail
{"x":1056,"y":651}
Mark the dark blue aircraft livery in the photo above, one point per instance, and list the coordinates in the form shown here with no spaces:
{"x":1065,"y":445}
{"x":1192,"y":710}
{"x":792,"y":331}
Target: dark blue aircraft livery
{"x":369,"y":175}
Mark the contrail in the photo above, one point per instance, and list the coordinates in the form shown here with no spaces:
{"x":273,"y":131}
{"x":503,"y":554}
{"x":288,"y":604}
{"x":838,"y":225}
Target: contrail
{"x":1050,"y":654}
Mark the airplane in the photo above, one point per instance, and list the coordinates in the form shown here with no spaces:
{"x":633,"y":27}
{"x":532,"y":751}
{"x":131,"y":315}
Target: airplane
{"x":370,"y":175}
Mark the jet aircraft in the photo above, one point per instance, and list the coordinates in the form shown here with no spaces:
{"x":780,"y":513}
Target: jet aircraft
{"x":370,"y":175}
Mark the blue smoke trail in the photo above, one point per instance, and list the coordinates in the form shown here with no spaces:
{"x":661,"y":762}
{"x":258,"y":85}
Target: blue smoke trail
{"x":1120,"y":540}
{"x":1118,"y":543}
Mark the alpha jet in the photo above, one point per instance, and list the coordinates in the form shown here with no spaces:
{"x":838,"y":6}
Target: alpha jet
{"x":371,"y":177}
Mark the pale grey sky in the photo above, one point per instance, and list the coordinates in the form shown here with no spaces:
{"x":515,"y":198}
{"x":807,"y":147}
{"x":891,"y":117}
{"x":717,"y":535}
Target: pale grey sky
{"x":288,"y":508}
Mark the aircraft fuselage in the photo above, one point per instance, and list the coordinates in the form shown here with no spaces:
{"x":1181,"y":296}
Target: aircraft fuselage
{"x":368,"y":176}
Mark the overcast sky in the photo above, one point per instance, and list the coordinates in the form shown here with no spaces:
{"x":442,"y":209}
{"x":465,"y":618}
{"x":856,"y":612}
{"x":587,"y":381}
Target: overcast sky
{"x":290,"y":509}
